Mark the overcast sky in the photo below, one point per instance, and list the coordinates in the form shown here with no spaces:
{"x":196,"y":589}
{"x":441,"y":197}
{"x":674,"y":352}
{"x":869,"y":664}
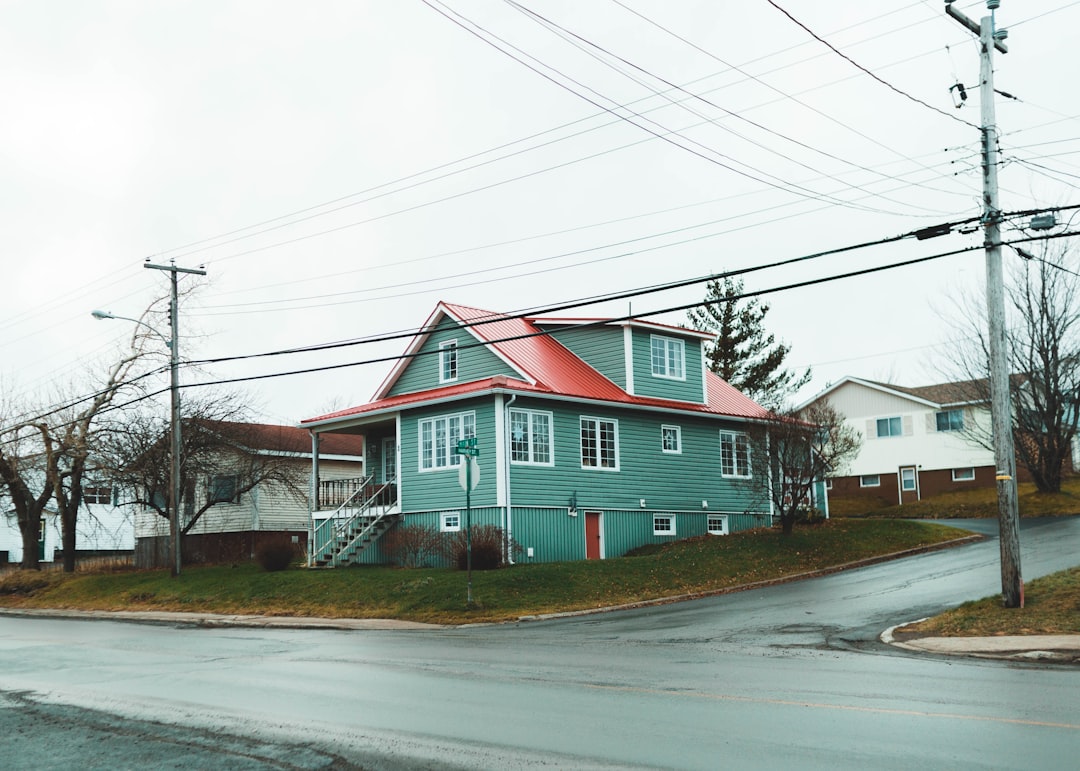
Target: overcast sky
{"x":340,"y":167}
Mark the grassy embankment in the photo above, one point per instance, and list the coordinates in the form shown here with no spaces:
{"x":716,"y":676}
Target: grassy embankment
{"x":967,"y":504}
{"x":705,"y":564}
{"x":1051,"y":606}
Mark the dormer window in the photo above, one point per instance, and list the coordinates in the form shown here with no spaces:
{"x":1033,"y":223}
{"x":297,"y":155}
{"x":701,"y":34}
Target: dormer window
{"x":448,"y":368}
{"x":668,"y":357}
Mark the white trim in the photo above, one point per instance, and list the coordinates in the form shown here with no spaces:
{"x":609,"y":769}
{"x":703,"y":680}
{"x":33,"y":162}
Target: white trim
{"x":581,"y":459}
{"x":964,"y":479}
{"x":451,"y":455}
{"x":359,"y":419}
{"x":444,"y":527}
{"x":628,"y":358}
{"x":704,"y":373}
{"x":550,"y":436}
{"x":602,"y":322}
{"x":448,"y":349}
{"x":680,"y":346}
{"x":501,"y":449}
{"x":426,"y":329}
{"x":664,"y":533}
{"x":725,"y":526}
{"x":735,"y":465}
{"x":678,"y":439}
{"x":867,"y":476}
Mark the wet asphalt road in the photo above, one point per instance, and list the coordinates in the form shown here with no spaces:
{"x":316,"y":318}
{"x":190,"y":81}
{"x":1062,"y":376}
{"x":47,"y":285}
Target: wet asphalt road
{"x":791,"y":676}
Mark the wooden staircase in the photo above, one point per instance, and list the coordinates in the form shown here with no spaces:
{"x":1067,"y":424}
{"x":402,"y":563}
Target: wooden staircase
{"x":355,"y":525}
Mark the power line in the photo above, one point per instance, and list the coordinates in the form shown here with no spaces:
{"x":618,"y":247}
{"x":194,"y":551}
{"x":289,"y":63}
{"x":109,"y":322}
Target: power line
{"x":873,"y":75}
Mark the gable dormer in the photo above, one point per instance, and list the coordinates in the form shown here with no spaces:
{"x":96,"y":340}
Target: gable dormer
{"x":447,"y":354}
{"x":666,"y":362}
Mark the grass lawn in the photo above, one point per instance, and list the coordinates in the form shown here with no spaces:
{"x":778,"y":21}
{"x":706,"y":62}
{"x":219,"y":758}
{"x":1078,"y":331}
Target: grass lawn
{"x":968,"y":504}
{"x":1051,"y":606}
{"x":703,"y":564}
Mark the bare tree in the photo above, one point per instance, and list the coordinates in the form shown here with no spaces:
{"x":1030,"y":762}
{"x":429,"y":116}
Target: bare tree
{"x":44,"y":452}
{"x":27,"y":486}
{"x":795,"y":451}
{"x":1044,"y":359}
{"x":223,"y":455}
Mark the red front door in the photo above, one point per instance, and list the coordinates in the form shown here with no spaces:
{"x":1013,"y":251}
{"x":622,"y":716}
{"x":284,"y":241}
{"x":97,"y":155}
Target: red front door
{"x":592,"y":535}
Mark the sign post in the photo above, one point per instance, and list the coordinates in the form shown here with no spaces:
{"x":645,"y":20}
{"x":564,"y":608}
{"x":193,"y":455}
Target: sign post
{"x":468,"y":478}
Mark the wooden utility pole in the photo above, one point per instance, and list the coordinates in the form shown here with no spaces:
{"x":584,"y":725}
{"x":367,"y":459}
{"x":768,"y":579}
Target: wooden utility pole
{"x":1012,"y":585}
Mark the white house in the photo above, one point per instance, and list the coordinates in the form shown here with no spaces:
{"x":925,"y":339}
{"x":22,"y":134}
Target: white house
{"x":104,"y":528}
{"x":917,"y":442}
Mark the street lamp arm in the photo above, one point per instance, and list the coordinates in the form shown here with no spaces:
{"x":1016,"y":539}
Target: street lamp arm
{"x":99,"y":315}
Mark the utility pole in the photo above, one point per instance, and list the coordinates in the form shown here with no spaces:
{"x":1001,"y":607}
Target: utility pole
{"x":1012,"y":585}
{"x":174,"y":419}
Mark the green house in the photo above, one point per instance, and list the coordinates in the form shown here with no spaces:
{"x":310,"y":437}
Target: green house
{"x":588,"y":438}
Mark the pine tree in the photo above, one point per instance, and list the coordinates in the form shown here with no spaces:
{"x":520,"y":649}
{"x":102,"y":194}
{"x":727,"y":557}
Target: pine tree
{"x":744,"y":353}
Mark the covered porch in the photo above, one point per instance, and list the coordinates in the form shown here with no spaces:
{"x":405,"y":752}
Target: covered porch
{"x":350,"y":513}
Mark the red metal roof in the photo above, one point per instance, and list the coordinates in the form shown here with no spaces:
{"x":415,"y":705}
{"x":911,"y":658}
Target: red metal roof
{"x":547,"y":367}
{"x":275,"y":438}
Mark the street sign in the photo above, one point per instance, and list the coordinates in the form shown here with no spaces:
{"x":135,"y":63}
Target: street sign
{"x":472,"y":452}
{"x":463,"y":443}
{"x":467,"y":475}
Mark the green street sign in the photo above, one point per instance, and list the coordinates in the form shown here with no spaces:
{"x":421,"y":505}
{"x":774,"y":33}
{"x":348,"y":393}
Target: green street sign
{"x":463,"y":443}
{"x":472,"y":452}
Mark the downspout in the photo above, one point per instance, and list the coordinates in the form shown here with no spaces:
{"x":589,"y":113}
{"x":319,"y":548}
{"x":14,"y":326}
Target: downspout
{"x":313,"y":497}
{"x":508,"y":531}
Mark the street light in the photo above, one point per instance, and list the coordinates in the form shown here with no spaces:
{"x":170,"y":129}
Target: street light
{"x":174,"y":425}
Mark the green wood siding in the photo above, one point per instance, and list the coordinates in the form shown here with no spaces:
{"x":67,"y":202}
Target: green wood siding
{"x":439,"y":488}
{"x":601,"y":348}
{"x":666,"y":481}
{"x":692,"y":389}
{"x":422,"y":373}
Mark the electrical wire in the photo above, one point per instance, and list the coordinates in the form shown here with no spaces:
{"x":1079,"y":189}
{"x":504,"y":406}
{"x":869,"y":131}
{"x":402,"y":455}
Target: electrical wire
{"x":872,"y":74}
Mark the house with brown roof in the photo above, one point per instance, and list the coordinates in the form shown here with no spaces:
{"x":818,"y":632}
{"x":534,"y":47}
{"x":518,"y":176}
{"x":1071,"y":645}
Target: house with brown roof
{"x":917,"y":442}
{"x":251,"y":487}
{"x":581,"y":438}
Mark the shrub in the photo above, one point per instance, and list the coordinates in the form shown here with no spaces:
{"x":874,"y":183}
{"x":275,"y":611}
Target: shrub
{"x":413,"y":546}
{"x":487,"y":548}
{"x":275,"y":555}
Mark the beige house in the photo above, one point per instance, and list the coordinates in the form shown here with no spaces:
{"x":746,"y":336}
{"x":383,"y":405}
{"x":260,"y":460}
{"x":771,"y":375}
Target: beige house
{"x":237,"y":522}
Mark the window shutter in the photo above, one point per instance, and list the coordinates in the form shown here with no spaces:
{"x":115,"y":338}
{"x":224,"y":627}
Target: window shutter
{"x":909,"y":427}
{"x":931,"y":422}
{"x":871,"y":429}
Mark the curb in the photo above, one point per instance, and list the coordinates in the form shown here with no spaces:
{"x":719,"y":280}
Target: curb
{"x":1063,"y":649}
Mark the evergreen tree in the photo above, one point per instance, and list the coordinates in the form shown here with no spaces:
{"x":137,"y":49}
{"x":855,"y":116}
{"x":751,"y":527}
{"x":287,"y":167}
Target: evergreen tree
{"x":744,"y":353}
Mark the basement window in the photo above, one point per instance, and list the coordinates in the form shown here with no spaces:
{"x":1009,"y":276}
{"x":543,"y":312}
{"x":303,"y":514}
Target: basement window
{"x":663,"y":524}
{"x":450,"y":522}
{"x":963,"y":475}
{"x":870,"y":480}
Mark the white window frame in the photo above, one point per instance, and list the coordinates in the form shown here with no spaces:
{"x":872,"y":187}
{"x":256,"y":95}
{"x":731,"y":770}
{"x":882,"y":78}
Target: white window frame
{"x":656,"y":522}
{"x":599,"y":449}
{"x":671,"y":363}
{"x":531,"y":444}
{"x":448,"y":361}
{"x":734,"y":438}
{"x":864,"y":483}
{"x":466,"y":429}
{"x":676,"y":433}
{"x":914,"y":480}
{"x":828,"y":483}
{"x":450,"y":522}
{"x":717,"y":524}
{"x":889,"y":422}
{"x":970,"y":478}
{"x":95,"y":492}
{"x":948,"y":420}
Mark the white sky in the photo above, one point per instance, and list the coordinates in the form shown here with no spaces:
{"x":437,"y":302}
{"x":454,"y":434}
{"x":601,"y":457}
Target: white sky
{"x":134,"y":129}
